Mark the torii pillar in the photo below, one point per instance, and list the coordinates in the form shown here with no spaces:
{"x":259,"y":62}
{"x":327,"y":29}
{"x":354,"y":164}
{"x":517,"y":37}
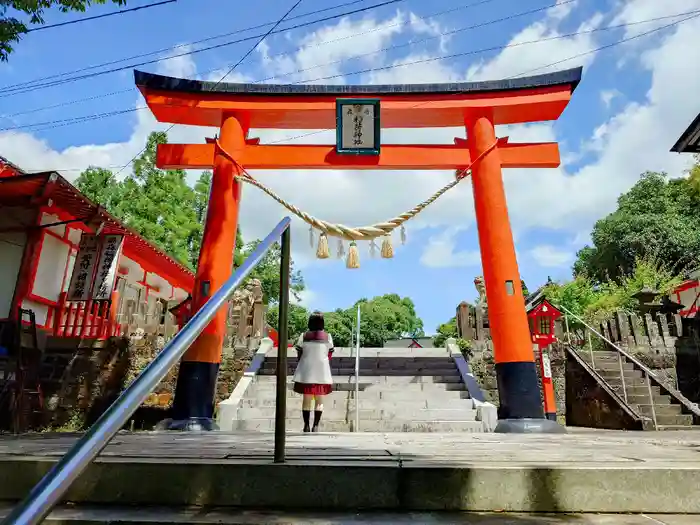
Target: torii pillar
{"x":195,"y":391}
{"x":479,"y":106}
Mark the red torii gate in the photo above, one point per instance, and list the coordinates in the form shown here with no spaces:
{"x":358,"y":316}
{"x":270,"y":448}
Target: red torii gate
{"x":478,"y":106}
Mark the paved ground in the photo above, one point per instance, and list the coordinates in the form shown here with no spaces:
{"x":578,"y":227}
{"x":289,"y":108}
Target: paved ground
{"x":607,"y":448}
{"x":583,"y":471}
{"x":163,"y":516}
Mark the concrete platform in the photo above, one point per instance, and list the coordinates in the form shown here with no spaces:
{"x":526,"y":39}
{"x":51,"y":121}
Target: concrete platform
{"x":581,"y":472}
{"x":197,"y":516}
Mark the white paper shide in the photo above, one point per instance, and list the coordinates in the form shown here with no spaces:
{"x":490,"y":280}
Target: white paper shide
{"x":357,"y":123}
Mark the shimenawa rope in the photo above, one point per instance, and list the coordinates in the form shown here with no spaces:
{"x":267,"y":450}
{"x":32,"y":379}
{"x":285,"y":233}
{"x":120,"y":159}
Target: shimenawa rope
{"x":362,"y":233}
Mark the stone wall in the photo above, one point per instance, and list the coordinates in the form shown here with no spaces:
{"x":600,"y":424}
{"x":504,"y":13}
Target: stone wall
{"x":482,"y":365}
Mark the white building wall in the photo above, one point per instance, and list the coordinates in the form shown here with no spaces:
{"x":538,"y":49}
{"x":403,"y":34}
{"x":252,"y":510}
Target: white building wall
{"x":11,"y":252}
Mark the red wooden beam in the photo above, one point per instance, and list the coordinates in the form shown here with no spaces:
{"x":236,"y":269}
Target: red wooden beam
{"x":392,"y":157}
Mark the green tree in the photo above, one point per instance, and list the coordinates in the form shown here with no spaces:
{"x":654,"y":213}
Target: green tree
{"x":386,"y":317}
{"x":595,"y":302}
{"x":101,"y":187}
{"x":382,"y":318}
{"x":159,"y":204}
{"x":298,"y":320}
{"x":156,"y":203}
{"x":268,"y":272}
{"x":444,"y":332}
{"x":12,"y":29}
{"x":656,"y":218}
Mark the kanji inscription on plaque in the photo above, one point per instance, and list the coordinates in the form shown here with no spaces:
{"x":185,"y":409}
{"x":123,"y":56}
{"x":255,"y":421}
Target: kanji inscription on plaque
{"x":358,"y":126}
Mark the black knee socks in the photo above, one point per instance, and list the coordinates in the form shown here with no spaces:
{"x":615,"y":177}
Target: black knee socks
{"x":317,"y":419}
{"x":306,"y":414}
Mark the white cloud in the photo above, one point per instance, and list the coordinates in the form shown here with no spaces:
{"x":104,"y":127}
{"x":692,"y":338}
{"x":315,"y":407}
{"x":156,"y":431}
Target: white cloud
{"x":635,"y":139}
{"x":549,"y":256}
{"x":440,"y":252}
{"x":307,"y":299}
{"x":608,"y":95}
{"x":636,"y":10}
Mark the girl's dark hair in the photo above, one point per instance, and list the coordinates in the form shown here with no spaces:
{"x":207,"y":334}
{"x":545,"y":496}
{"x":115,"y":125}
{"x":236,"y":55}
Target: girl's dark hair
{"x":316,"y":323}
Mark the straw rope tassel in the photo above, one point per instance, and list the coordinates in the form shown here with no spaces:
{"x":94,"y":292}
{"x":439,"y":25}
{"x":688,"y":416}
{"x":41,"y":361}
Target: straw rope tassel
{"x":322,"y":252}
{"x":387,"y":248}
{"x":353,"y":261}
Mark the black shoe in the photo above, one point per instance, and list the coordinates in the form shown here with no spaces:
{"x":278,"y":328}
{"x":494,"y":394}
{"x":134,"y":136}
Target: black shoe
{"x":307,"y":429}
{"x":314,"y":428}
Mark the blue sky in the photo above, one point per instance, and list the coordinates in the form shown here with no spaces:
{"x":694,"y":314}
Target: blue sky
{"x":634,"y":101}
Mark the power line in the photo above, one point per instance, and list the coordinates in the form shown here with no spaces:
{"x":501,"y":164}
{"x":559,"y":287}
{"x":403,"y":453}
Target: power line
{"x":285,"y":53}
{"x":105,"y":15}
{"x":33,"y":85}
{"x":87,"y":118}
{"x":601,"y":48}
{"x":260,"y":41}
{"x":163,"y":50}
{"x":573,"y":57}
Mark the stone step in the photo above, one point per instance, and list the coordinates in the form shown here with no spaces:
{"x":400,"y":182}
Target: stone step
{"x":679,"y":419}
{"x":368,"y":353}
{"x":587,"y":471}
{"x":293,"y":425}
{"x":427,"y":388}
{"x":335,"y":413}
{"x":379,"y":404}
{"x":615,"y":373}
{"x":374,"y":360}
{"x":377,"y":379}
{"x":643,"y":399}
{"x":345,"y":372}
{"x":660,"y":409}
{"x":394,"y":425}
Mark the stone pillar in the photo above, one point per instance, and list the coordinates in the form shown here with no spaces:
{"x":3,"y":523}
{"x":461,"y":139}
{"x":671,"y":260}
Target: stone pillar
{"x":193,"y":405}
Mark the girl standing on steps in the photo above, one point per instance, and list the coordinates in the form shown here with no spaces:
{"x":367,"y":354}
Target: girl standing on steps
{"x":312,"y":377}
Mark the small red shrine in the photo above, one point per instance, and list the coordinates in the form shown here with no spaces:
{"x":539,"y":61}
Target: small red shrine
{"x":542,"y":315}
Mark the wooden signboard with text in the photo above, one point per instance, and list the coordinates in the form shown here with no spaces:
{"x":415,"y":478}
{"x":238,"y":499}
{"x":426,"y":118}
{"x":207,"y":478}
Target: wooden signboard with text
{"x":95,"y":268}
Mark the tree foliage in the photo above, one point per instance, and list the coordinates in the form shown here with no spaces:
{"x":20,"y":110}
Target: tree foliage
{"x":157,"y":203}
{"x":268,"y":272}
{"x":381,"y":318}
{"x":18,"y":16}
{"x":447,"y":330}
{"x":657,"y":218}
{"x":595,"y":302}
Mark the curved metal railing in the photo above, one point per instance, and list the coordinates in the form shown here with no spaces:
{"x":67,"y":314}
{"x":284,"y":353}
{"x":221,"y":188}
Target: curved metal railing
{"x":51,"y":488}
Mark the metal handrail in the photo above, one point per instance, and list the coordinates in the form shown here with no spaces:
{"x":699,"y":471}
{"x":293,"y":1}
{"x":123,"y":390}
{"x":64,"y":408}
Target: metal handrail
{"x":44,"y":496}
{"x":649,"y":374}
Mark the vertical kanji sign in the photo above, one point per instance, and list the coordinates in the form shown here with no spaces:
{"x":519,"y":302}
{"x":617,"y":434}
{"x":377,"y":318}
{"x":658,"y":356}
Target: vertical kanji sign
{"x":107,"y":267}
{"x":84,"y":268}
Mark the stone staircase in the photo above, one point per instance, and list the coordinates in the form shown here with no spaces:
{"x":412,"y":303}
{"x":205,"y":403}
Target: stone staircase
{"x":400,"y":390}
{"x":669,"y":412}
